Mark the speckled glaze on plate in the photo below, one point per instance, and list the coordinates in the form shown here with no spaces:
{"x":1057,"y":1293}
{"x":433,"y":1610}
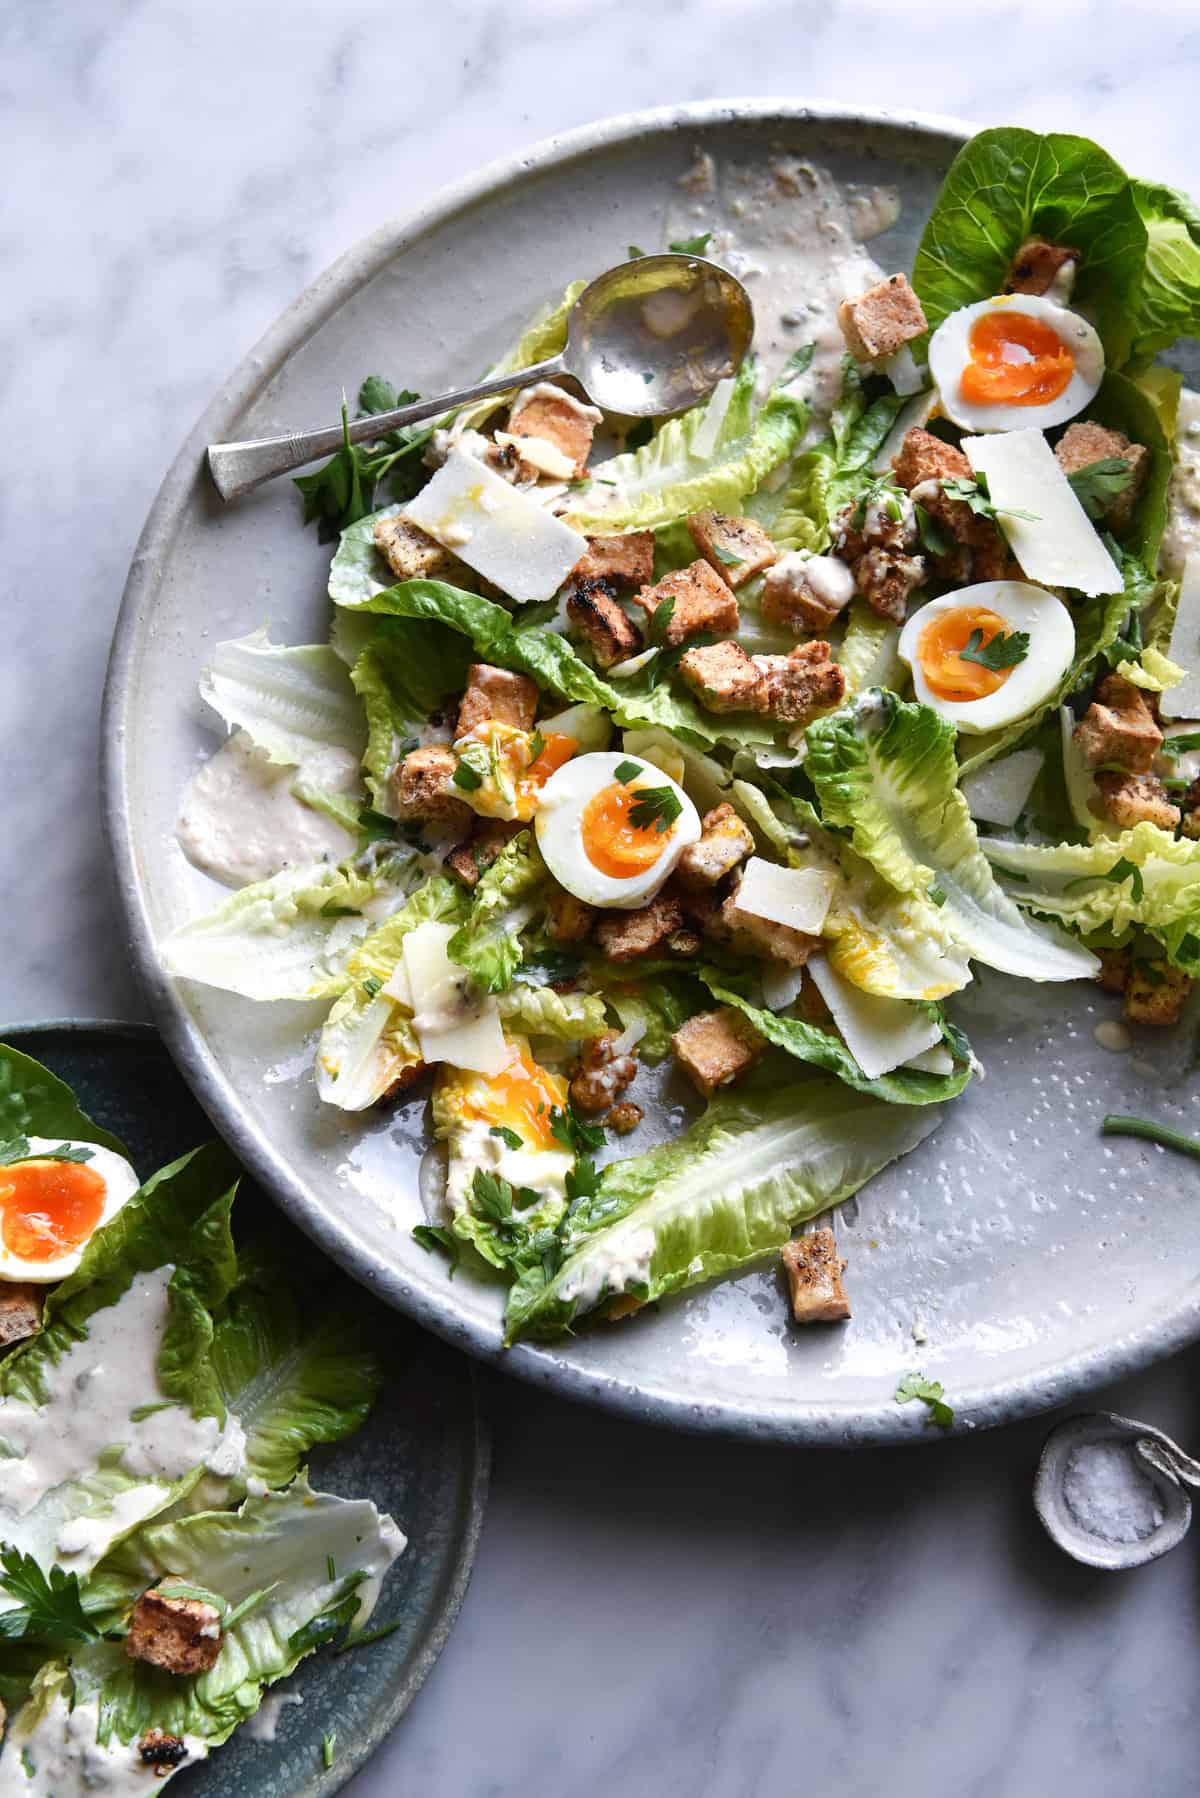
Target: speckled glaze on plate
{"x":423,"y":1456}
{"x":1014,"y":1256}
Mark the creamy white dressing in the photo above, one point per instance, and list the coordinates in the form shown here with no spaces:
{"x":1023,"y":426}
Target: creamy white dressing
{"x":547,"y":390}
{"x":67,"y":1761}
{"x":241,"y":821}
{"x":787,"y":230}
{"x":473,"y":1146}
{"x":264,"y":1725}
{"x":621,"y":1261}
{"x":90,"y":1395}
{"x":1182,"y":535}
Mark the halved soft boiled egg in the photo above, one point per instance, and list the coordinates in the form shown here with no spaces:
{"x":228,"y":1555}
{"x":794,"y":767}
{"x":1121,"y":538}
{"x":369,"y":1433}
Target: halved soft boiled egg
{"x":1014,"y":363}
{"x":1000,"y":677}
{"x":50,"y":1209}
{"x":612,"y":827}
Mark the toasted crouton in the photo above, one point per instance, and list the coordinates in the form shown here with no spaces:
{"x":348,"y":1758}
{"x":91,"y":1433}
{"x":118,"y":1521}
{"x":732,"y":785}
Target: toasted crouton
{"x":736,"y":548}
{"x":20,"y":1311}
{"x":924,"y":457}
{"x":567,"y":919}
{"x":181,"y":1635}
{"x":1131,"y":799}
{"x":1037,"y":265}
{"x":806,"y":593}
{"x":627,"y":561}
{"x":1081,"y":445}
{"x":496,"y":694}
{"x":1115,"y":965}
{"x":1156,"y":992}
{"x":404,"y":1082}
{"x":624,"y":935}
{"x":725,"y":840}
{"x":882,"y":320}
{"x":886,"y":579}
{"x":476,"y":855}
{"x":761,"y":937}
{"x":1119,"y":726}
{"x":162,"y":1753}
{"x":600,"y":1075}
{"x":800,"y":686}
{"x":411,"y":553}
{"x":423,"y":787}
{"x":717,"y":1047}
{"x":596,"y":616}
{"x":814,"y":1275}
{"x":624,"y":1117}
{"x":723,"y":677}
{"x":1190,"y":807}
{"x":702,"y":602}
{"x":556,"y":417}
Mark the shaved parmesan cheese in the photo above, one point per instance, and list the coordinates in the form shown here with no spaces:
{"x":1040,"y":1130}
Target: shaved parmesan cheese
{"x":781,"y":986}
{"x":797,"y":897}
{"x":937,"y":1060}
{"x":999,"y":793}
{"x":903,"y":372}
{"x":454,"y":1022}
{"x":1059,"y":544}
{"x":709,"y":428}
{"x":497,"y":530}
{"x":1183,"y":701}
{"x":880,"y":1033}
{"x":398,"y":986}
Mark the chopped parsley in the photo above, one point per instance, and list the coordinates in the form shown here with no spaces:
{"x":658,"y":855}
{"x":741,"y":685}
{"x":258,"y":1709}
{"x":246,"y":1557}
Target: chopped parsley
{"x":433,"y":1237}
{"x":974,"y":493}
{"x":508,"y":1137}
{"x":930,"y":1392}
{"x":372,"y":986}
{"x":574,"y":1132}
{"x":692,"y":246}
{"x":328,"y":1744}
{"x":633,"y":252}
{"x":47,"y":1605}
{"x":343,"y":490}
{"x":933,"y":542}
{"x":655,"y":808}
{"x":627,"y":771}
{"x":1117,"y":1124}
{"x":537,"y":744}
{"x":664,"y":611}
{"x":1004,"y":650}
{"x":18,"y":1149}
{"x":1120,"y":871}
{"x":1100,"y":482}
{"x":727,"y":558}
{"x":466,"y":777}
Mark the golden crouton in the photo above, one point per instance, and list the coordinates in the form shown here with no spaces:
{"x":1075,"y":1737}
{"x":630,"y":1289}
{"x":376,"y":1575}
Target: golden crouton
{"x":814,"y":1275}
{"x":717,"y":1047}
{"x":404,"y":1082}
{"x":547,"y":412}
{"x":626,"y":561}
{"x":806,"y":593}
{"x":736,"y":548}
{"x":597,"y":616}
{"x":923,"y":457}
{"x":162,"y":1753}
{"x":600,"y":1075}
{"x":624,"y":1117}
{"x":1119,"y":726}
{"x":624,"y":935}
{"x":882,"y":320}
{"x":798,"y":687}
{"x":1115,"y":965}
{"x":886,"y":579}
{"x":1156,"y":992}
{"x":723,"y":677}
{"x":423,"y":787}
{"x":499,"y":695}
{"x":1131,"y":799}
{"x":725,"y":840}
{"x":702,"y":602}
{"x":476,"y":855}
{"x":410,"y":553}
{"x":567,"y":919}
{"x":763,"y":938}
{"x":1190,"y":807}
{"x":20,"y":1311}
{"x":1083,"y":444}
{"x":181,"y":1635}
{"x":1036,"y":266}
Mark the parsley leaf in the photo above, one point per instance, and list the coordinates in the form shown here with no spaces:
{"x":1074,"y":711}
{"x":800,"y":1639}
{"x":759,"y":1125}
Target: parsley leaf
{"x":726,"y":557}
{"x":627,"y":771}
{"x":1120,"y":871}
{"x":1004,"y":650}
{"x":692,"y":246}
{"x":537,"y":744}
{"x":18,"y":1149}
{"x":930,"y":1392}
{"x":48,"y":1606}
{"x":933,"y":541}
{"x":974,"y":493}
{"x":583,"y":1182}
{"x":342,"y":491}
{"x":1181,"y":744}
{"x":433,"y":1237}
{"x":1100,"y":482}
{"x":663,"y":613}
{"x":633,"y":252}
{"x":466,"y":777}
{"x":655,"y":807}
{"x":372,"y":986}
{"x":507,"y":1136}
{"x":574,"y":1132}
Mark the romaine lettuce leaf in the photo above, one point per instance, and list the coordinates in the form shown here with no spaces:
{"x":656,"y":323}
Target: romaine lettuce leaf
{"x":540,"y":1011}
{"x":885,"y":771}
{"x":1168,"y":300}
{"x":402,"y":675}
{"x":542,"y":338}
{"x":290,"y":700}
{"x":505,"y":900}
{"x":728,"y":1191}
{"x":867,"y":654}
{"x":687,"y":466}
{"x":657,"y":1005}
{"x":1123,"y":405}
{"x":34,"y":1102}
{"x":1144,"y":876}
{"x":359,"y":569}
{"x":834,"y":471}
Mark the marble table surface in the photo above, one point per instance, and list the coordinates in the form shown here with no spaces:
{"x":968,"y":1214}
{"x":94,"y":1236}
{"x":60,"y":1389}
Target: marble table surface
{"x":650,"y":1614}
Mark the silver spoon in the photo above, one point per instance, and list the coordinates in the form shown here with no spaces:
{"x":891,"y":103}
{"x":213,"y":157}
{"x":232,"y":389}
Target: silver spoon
{"x":647,"y":338}
{"x":1166,"y":1471}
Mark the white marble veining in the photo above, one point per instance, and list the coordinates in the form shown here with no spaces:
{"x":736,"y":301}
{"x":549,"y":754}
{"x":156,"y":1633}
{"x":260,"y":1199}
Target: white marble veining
{"x":650,"y":1615}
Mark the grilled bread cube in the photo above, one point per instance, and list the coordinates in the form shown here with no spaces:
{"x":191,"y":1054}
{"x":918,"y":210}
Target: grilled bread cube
{"x":814,"y":1275}
{"x":410,"y":553}
{"x":882,"y":320}
{"x":627,"y":561}
{"x":556,"y":417}
{"x":806,"y":593}
{"x":735,"y":548}
{"x":600,"y":620}
{"x":600,"y":1075}
{"x":723,"y":677}
{"x":20,"y":1311}
{"x":1037,"y":265}
{"x":180,"y":1635}
{"x":496,"y":693}
{"x":702,"y":602}
{"x":725,"y":840}
{"x":624,"y":935}
{"x":923,"y":457}
{"x":423,"y":787}
{"x":1119,"y":726}
{"x":798,"y":687}
{"x":1131,"y":799}
{"x":1083,"y":445}
{"x":716,"y":1047}
{"x":1156,"y":992}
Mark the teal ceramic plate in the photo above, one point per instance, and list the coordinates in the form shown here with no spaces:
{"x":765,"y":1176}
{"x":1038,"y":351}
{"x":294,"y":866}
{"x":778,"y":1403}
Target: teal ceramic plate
{"x":423,"y":1456}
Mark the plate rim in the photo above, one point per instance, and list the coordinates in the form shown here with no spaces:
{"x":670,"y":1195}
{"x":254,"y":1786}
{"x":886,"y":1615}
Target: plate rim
{"x":474,"y":1497}
{"x":822,"y":1419}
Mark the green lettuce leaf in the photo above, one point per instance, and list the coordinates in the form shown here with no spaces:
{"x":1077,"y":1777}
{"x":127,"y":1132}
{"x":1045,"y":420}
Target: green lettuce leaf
{"x":868,"y":654}
{"x":727,"y":1192}
{"x":834,"y":471}
{"x":1007,"y":185}
{"x":1143,"y":877}
{"x":688,"y":464}
{"x":1123,"y":405}
{"x":886,"y":772}
{"x":540,"y":1011}
{"x":359,"y":569}
{"x":291,"y":700}
{"x":658,"y":1005}
{"x":505,"y":900}
{"x":542,"y":338}
{"x":405,"y":672}
{"x":34,"y":1102}
{"x":1168,"y":300}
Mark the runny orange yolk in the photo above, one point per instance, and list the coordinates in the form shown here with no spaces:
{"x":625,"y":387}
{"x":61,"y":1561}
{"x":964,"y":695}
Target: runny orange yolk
{"x":520,"y":1097}
{"x":939,"y":647}
{"x":556,"y":750}
{"x":48,"y":1208}
{"x":1016,"y":360}
{"x":611,"y":842}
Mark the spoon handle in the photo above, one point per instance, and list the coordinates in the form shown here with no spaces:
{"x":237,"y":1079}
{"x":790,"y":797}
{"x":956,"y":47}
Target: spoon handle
{"x":238,"y":468}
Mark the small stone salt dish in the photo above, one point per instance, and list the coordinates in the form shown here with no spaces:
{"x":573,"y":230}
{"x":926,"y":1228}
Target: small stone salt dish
{"x":1110,"y":1491}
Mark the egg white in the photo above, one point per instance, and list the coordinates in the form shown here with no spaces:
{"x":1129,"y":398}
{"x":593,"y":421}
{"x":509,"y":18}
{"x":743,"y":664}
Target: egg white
{"x":559,"y":819}
{"x":949,"y":355}
{"x":1023,"y":608}
{"x":120,"y":1184}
